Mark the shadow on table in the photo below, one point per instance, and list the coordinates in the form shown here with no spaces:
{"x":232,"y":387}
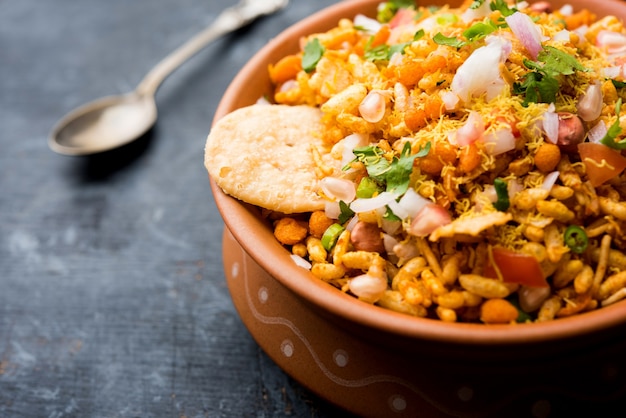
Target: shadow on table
{"x":100,"y":167}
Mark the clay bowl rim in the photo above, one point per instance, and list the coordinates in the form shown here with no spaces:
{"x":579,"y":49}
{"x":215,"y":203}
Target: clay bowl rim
{"x":257,"y":240}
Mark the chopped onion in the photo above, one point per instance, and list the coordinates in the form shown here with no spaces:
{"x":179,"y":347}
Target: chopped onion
{"x":562,"y":36}
{"x":472,"y":129}
{"x":526,"y":31}
{"x":370,"y":25}
{"x":597,"y":132}
{"x":390,"y":227}
{"x":431,"y":217}
{"x":413,"y":202}
{"x":590,"y":105}
{"x":478,"y":13}
{"x":550,"y":124}
{"x":498,"y":142}
{"x":614,"y":42}
{"x":613,"y":71}
{"x":450,"y":100}
{"x":352,"y":222}
{"x":338,"y":189}
{"x":372,"y":107}
{"x":567,"y":10}
{"x":301,"y":262}
{"x":481,"y":70}
{"x":389,"y":242}
{"x":398,"y":210}
{"x":360,"y":205}
{"x":332,"y":209}
{"x":349,"y":143}
{"x":288,"y":85}
{"x":549,"y":180}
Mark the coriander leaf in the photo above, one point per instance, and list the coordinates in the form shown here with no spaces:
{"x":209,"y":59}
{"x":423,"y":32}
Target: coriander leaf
{"x":345,"y":212}
{"x":375,"y":164}
{"x":614,"y":131}
{"x":502,"y":7}
{"x":390,"y":216}
{"x":419,"y":35}
{"x":452,"y":41}
{"x":313,"y":52}
{"x":424,"y":150}
{"x":478,"y":30}
{"x":400,"y":171}
{"x":558,"y":62}
{"x":537,"y":88}
{"x":476,"y":4}
{"x":378,"y":53}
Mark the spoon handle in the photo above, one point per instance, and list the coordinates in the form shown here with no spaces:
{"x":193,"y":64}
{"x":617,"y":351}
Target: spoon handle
{"x":228,"y":21}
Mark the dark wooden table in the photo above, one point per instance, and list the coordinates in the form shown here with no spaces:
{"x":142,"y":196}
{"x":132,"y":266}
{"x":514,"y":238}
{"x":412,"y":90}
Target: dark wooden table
{"x":112,"y":294}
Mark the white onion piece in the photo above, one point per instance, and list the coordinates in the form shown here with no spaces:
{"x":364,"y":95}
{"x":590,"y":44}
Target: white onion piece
{"x":349,"y":143}
{"x":614,"y":42}
{"x":478,"y":13}
{"x":472,"y":129}
{"x":550,"y":124}
{"x":368,"y":288}
{"x":613,"y":71}
{"x":352,"y":223}
{"x":526,"y":31}
{"x":406,"y":250}
{"x":338,"y":189}
{"x":428,"y":219}
{"x":549,"y":180}
{"x":597,"y":132}
{"x":480,"y":70}
{"x":360,"y":205}
{"x":567,"y":10}
{"x":332,"y":209}
{"x":389,"y":243}
{"x":301,"y":262}
{"x":490,"y":193}
{"x":390,"y":227}
{"x":372,"y":107}
{"x":288,"y":85}
{"x":590,"y":105}
{"x":398,"y":209}
{"x":413,"y":202}
{"x":450,"y":100}
{"x":562,"y":36}
{"x":498,"y":142}
{"x":514,"y":187}
{"x":370,"y":25}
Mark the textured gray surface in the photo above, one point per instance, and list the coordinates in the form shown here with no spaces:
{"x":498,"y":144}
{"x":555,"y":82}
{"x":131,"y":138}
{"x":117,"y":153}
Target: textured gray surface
{"x":112,"y":296}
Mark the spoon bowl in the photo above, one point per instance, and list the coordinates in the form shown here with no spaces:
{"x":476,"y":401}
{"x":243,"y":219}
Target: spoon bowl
{"x":113,"y":121}
{"x":103,"y":124}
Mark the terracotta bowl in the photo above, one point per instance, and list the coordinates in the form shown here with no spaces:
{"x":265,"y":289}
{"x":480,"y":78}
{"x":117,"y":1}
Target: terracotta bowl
{"x":375,"y":362}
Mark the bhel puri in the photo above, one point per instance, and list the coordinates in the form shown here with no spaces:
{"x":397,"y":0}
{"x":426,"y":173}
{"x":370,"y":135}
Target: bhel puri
{"x":463,"y":164}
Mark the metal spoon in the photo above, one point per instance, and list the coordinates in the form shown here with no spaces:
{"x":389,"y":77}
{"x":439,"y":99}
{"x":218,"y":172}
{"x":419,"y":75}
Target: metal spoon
{"x":113,"y":121}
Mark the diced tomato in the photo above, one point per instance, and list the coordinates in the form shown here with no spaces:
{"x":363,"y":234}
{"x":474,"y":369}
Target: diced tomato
{"x":516,"y":267}
{"x":402,"y":17}
{"x":429,"y":218}
{"x":602,"y":163}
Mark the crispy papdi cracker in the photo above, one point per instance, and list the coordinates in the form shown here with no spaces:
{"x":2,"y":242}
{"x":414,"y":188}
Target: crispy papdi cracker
{"x":262,"y":154}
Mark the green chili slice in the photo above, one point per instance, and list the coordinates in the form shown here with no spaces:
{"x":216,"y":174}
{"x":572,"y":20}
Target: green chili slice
{"x":576,"y":239}
{"x":502,"y":191}
{"x":330,"y":236}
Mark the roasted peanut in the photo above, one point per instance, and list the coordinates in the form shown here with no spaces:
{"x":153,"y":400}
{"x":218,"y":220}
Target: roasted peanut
{"x":571,"y":132}
{"x":367,"y":236}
